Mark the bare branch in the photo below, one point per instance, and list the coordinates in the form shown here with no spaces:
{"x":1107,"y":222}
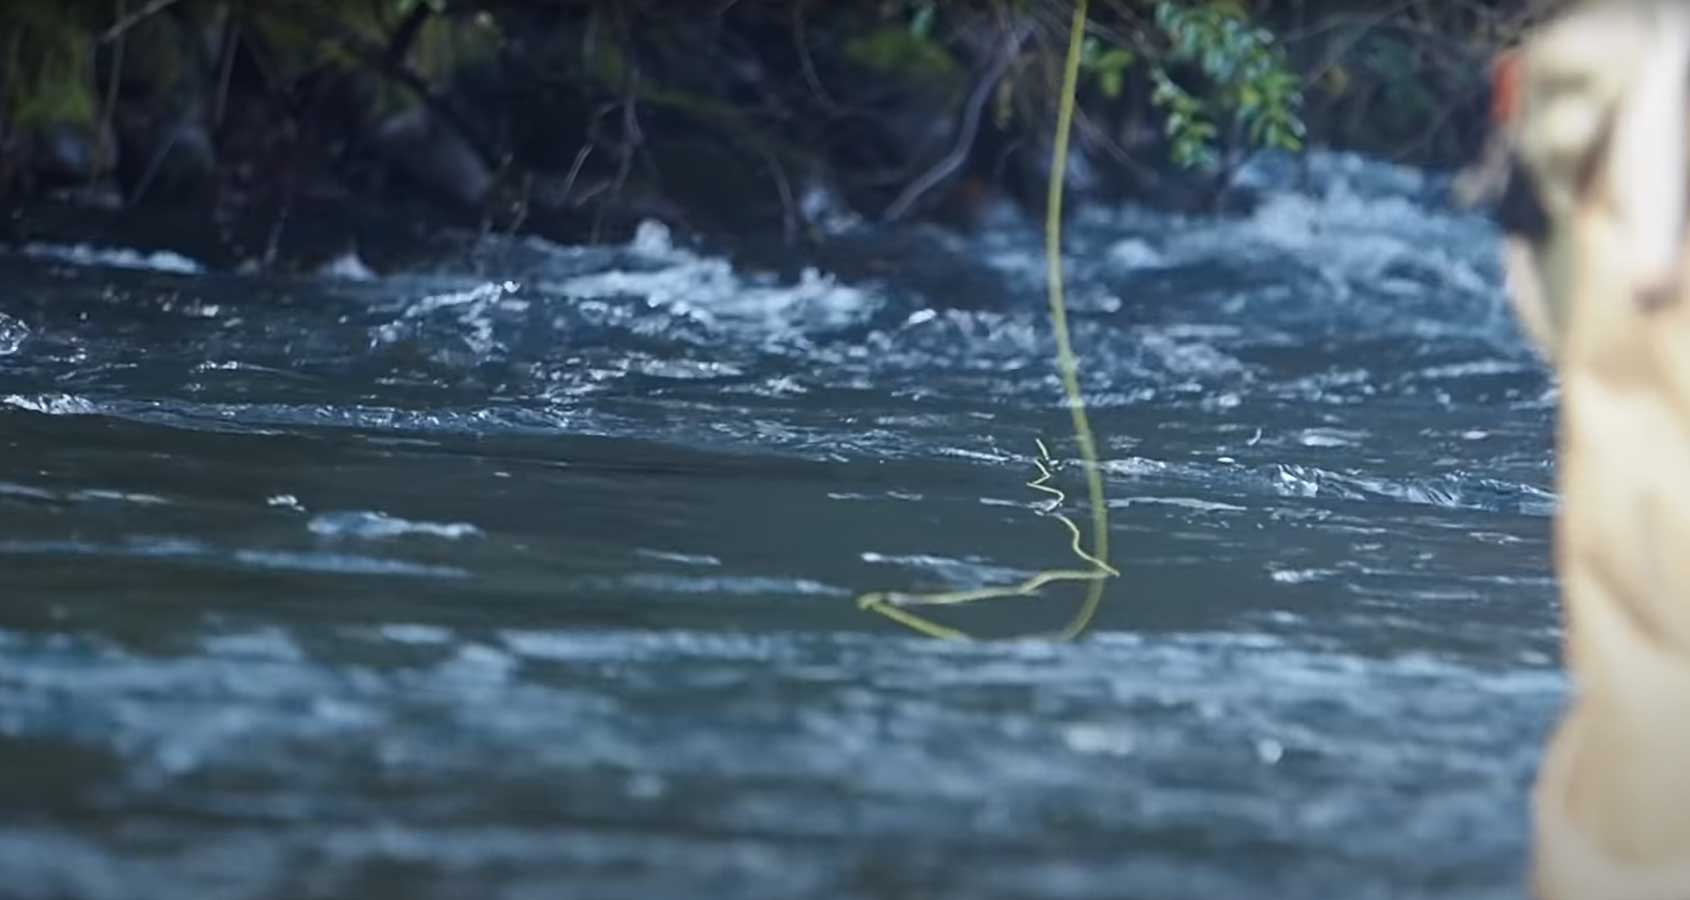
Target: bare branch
{"x":135,"y":18}
{"x":966,"y":133}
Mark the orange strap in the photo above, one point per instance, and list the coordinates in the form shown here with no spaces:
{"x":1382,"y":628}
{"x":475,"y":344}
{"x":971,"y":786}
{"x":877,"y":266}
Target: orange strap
{"x":1505,"y":88}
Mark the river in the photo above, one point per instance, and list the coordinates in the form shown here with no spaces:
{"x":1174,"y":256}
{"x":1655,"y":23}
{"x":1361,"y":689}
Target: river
{"x":529,"y":573}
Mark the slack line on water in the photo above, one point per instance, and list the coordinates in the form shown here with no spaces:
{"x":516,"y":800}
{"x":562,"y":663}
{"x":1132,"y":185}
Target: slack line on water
{"x":896,"y":605}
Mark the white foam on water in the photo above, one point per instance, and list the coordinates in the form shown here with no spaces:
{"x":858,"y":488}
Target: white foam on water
{"x":374,"y":525}
{"x":709,"y":289}
{"x":52,"y":404}
{"x":114,"y":257}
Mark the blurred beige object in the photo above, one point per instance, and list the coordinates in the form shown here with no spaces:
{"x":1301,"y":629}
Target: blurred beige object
{"x":1593,"y":111}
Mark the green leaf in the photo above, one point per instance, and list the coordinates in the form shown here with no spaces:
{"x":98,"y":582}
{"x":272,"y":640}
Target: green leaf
{"x":1116,"y":59}
{"x":1112,"y":83}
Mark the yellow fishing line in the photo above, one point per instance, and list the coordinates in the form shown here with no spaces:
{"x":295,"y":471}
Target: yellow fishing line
{"x":895,"y":605}
{"x":1066,"y":362}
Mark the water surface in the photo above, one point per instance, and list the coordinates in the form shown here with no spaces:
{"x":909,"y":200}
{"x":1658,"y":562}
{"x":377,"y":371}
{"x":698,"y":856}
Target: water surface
{"x":530,"y":574}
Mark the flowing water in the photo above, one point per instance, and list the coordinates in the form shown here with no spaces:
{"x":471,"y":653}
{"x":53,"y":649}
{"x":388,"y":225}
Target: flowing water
{"x":532,"y":574}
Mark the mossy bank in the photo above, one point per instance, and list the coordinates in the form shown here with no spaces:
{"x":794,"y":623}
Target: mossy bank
{"x":233,"y":122}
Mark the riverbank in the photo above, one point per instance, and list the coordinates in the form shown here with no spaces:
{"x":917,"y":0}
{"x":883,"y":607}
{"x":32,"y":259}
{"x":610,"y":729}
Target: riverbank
{"x":251,"y":137}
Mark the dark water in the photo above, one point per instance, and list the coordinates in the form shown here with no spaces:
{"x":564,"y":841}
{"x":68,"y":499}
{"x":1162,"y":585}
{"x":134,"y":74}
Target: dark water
{"x":532,"y":576}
